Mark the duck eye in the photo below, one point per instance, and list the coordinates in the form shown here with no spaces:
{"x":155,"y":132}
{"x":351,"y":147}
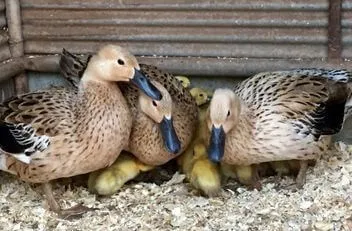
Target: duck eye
{"x":228,"y":113}
{"x":120,"y":61}
{"x":154,"y":104}
{"x":201,"y":94}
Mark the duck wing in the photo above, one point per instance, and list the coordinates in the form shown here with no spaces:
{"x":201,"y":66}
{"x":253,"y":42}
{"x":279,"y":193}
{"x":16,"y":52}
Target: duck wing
{"x":312,"y":101}
{"x":49,"y":111}
{"x":21,"y":141}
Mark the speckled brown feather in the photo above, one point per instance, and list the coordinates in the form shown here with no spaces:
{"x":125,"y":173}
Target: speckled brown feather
{"x":88,"y":128}
{"x":146,"y":142}
{"x":285,"y":115}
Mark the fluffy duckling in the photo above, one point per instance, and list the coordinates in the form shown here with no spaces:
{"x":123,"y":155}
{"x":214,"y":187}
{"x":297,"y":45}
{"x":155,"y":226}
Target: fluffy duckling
{"x":87,"y":127}
{"x":162,"y":128}
{"x":277,"y":116}
{"x":246,"y":175}
{"x":200,"y":95}
{"x":186,"y":159}
{"x":204,"y":175}
{"x":287,"y":167}
{"x":186,"y":83}
{"x":21,"y":141}
{"x":200,"y":171}
{"x":108,"y":181}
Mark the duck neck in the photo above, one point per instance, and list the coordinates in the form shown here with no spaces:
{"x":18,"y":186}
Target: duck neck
{"x":245,"y":125}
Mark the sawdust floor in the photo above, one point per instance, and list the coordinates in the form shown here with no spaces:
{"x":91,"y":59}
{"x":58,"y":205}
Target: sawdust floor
{"x":325,"y":203}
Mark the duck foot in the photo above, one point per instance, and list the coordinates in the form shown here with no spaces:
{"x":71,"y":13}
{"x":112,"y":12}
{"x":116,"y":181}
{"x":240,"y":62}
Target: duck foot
{"x":255,"y":185}
{"x":301,"y":177}
{"x":255,"y":182}
{"x":73,"y":212}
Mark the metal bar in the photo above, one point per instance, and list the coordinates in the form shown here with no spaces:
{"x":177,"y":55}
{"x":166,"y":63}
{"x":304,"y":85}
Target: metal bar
{"x":175,"y":34}
{"x":248,"y":50}
{"x":230,"y":67}
{"x":299,"y":5}
{"x":136,"y":17}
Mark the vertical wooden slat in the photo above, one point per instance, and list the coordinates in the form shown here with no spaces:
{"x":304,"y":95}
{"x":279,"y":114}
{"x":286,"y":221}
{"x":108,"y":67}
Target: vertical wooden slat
{"x":334,"y":31}
{"x":13,"y":14}
{"x":6,"y":89}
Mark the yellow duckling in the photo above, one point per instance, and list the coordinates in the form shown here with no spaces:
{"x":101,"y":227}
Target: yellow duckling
{"x":246,"y":175}
{"x":108,"y":181}
{"x":202,"y":173}
{"x":200,"y":95}
{"x":186,"y":83}
{"x":287,"y":167}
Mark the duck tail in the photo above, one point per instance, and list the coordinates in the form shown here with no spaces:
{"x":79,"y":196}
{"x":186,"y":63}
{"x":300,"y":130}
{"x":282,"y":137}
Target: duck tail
{"x":73,"y":66}
{"x":338,"y":75}
{"x":20,"y":141}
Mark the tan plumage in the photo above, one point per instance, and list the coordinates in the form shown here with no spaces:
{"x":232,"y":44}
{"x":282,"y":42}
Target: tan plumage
{"x":146,"y":140}
{"x":88,"y":127}
{"x":278,"y":116}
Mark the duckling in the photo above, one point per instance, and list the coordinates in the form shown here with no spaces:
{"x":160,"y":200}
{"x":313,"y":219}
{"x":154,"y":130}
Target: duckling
{"x":288,"y":167}
{"x":200,"y":95}
{"x":246,"y":175}
{"x":21,"y":141}
{"x":108,"y":181}
{"x":276,"y":116}
{"x":87,"y":127}
{"x":186,"y":159}
{"x":204,"y":174}
{"x":201,"y":173}
{"x":186,"y":83}
{"x":163,"y":128}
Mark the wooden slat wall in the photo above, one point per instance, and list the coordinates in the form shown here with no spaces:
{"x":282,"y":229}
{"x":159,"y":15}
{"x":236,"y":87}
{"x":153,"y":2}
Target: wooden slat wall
{"x":7,"y":87}
{"x":224,"y":37}
{"x":4,"y":36}
{"x":346,"y":28}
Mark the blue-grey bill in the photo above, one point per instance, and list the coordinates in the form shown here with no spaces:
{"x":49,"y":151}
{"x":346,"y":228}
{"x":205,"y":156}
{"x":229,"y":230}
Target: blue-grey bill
{"x":217,"y":144}
{"x":145,"y":85}
{"x":171,"y":141}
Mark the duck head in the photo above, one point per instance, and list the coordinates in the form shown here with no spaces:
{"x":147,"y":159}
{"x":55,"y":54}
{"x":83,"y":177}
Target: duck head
{"x":222,"y":116}
{"x":160,"y":111}
{"x":113,"y":64}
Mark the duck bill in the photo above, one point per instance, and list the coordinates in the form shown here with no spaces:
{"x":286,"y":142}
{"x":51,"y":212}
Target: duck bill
{"x":209,"y":99}
{"x":145,"y":85}
{"x":217,"y":144}
{"x":171,"y":141}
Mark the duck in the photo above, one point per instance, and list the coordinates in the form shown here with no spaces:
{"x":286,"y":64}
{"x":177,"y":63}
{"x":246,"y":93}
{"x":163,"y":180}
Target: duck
{"x":184,"y":80}
{"x":276,"y":116}
{"x":109,"y":180}
{"x":87,"y":127}
{"x":21,"y":141}
{"x":154,"y":140}
{"x":202,"y":174}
